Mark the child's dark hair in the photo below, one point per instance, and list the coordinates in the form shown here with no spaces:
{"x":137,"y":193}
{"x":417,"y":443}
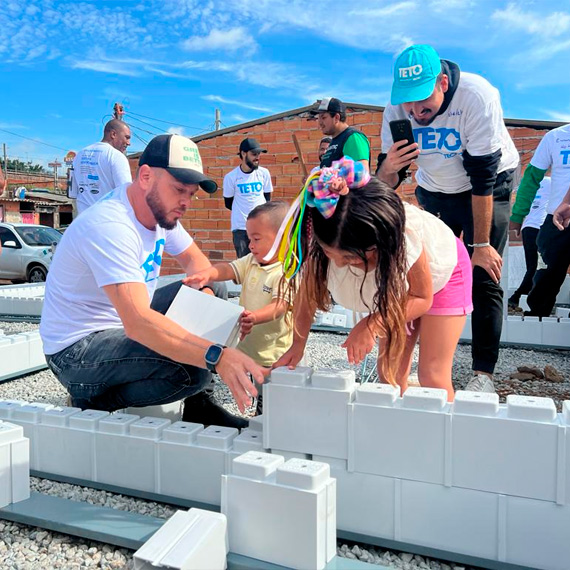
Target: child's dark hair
{"x":371,"y":217}
{"x":276,"y":211}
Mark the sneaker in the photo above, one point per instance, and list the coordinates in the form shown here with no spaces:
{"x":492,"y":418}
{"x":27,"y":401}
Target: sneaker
{"x":202,"y":409}
{"x":513,"y":302}
{"x":480,"y":383}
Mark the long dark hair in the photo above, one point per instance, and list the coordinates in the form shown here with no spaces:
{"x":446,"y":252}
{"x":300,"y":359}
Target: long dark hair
{"x":369,"y":217}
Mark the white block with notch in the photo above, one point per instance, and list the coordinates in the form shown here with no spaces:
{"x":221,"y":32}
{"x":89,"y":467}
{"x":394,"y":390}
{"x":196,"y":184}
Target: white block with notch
{"x":15,"y":355}
{"x":7,"y":407}
{"x":14,"y":464}
{"x":247,"y":440}
{"x":406,"y":440}
{"x":60,"y":450}
{"x":450,"y":519}
{"x":282,"y":513}
{"x":126,"y":451}
{"x":172,"y":411}
{"x":305,"y":414}
{"x":514,"y":452}
{"x":36,"y":357}
{"x":189,"y":540}
{"x":192,"y":461}
{"x":29,"y":416}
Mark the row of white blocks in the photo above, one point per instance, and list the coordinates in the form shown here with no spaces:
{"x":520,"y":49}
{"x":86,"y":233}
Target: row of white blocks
{"x":22,"y":300}
{"x":473,"y":477}
{"x":291,"y":505}
{"x":14,"y":464}
{"x":545,"y":331}
{"x":21,"y":353}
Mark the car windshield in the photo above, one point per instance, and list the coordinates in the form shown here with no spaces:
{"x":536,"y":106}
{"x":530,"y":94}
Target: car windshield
{"x":38,"y":235}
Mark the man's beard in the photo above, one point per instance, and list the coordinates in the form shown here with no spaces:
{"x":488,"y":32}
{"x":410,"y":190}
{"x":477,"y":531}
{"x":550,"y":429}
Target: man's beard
{"x":157,"y":208}
{"x":251,"y":165}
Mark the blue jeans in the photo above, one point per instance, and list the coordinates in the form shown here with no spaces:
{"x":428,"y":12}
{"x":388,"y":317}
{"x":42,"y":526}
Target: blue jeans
{"x":107,"y":371}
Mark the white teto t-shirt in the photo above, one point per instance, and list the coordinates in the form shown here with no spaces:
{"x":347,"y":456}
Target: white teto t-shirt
{"x":247,"y":190}
{"x":535,"y":217}
{"x":473,"y":122}
{"x":98,"y":169}
{"x":423,"y":232}
{"x":553,"y":152}
{"x":103,"y":246}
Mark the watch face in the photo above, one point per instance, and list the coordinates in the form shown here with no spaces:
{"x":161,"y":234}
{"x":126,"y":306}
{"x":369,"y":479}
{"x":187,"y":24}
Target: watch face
{"x":213,"y":354}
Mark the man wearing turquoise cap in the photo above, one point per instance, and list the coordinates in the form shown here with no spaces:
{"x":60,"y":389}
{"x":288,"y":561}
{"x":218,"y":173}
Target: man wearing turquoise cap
{"x":465,"y":162}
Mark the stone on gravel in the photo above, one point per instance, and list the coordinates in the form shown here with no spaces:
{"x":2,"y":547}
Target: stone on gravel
{"x":534,"y":370}
{"x":522,"y":376}
{"x":552,"y":375}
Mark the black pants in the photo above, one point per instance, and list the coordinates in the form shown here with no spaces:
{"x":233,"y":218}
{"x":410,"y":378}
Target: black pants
{"x":529,"y":236}
{"x":456,"y":211}
{"x":554,"y":249}
{"x":241,"y":242}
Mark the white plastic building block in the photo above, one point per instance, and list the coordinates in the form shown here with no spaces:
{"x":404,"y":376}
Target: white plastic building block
{"x":14,"y":464}
{"x":193,"y":540}
{"x":467,"y":334}
{"x":531,"y":408}
{"x":292,"y":524}
{"x":247,"y":440}
{"x":536,"y":534}
{"x":527,"y":330}
{"x":460,"y":520}
{"x":7,"y":406}
{"x":289,"y":454}
{"x":426,"y":399}
{"x":28,"y":416}
{"x":402,"y":442}
{"x":377,"y":394}
{"x":193,"y":459}
{"x":513,"y":453}
{"x":126,"y":451}
{"x":476,"y":403}
{"x":300,"y":417}
{"x":562,"y":312}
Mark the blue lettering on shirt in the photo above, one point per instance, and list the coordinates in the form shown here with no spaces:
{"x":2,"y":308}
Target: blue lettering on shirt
{"x":250,"y":188}
{"x":565,"y":156}
{"x":153,"y":261}
{"x":443,"y":140}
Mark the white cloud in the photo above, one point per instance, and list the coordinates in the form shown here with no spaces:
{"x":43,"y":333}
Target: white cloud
{"x":535,"y":23}
{"x":234,"y":39}
{"x":388,"y":10}
{"x":176,"y":131}
{"x":219,"y":99}
{"x":239,"y":118}
{"x":115,"y":68}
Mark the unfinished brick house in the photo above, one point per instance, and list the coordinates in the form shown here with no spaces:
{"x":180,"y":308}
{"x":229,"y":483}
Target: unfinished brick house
{"x":209,"y":222}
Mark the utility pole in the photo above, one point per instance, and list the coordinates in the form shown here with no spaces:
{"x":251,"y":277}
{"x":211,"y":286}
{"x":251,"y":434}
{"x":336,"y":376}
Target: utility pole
{"x":5,"y":162}
{"x":217,"y":121}
{"x":55,"y":165}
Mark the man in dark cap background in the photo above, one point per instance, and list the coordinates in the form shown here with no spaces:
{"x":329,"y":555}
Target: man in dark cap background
{"x":345,"y":140}
{"x":248,"y":185}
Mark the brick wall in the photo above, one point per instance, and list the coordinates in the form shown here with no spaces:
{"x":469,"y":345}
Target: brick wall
{"x":209,"y":222}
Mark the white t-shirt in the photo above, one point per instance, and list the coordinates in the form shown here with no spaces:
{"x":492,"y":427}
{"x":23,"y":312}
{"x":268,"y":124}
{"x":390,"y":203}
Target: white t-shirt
{"x":105,"y":245}
{"x":98,"y":169}
{"x":473,"y":122}
{"x":554,"y":152}
{"x":423,"y":232}
{"x":535,"y":217}
{"x":247,"y":190}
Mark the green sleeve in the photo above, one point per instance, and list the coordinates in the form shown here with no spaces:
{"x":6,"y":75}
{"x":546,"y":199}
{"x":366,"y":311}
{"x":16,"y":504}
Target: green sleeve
{"x":357,"y":147}
{"x":527,"y":191}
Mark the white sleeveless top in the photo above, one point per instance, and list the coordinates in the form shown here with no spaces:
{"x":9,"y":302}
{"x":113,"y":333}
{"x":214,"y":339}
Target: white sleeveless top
{"x":423,"y":232}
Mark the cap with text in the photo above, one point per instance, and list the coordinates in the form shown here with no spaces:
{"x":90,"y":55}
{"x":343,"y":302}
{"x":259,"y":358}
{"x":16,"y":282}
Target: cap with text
{"x":330,"y":105}
{"x":415,"y":74}
{"x":180,"y":157}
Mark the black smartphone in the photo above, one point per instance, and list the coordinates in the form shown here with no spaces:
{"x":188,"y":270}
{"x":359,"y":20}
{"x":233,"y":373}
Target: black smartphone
{"x":402,"y":131}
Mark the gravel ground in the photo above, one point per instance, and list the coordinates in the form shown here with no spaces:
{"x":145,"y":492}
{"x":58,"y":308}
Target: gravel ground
{"x":30,"y":548}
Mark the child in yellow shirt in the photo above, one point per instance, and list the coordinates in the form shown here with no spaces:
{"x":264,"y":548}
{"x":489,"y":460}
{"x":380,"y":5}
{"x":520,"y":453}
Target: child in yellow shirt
{"x":266,"y":325}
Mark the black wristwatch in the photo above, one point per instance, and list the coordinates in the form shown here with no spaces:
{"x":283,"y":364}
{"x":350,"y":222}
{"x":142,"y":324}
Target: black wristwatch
{"x":213,"y":355}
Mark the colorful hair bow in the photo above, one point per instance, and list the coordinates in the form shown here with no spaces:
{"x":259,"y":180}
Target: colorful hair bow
{"x":316,"y":193}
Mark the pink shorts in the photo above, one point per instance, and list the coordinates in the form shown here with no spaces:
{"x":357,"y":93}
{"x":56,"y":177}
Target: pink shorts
{"x":455,"y":298}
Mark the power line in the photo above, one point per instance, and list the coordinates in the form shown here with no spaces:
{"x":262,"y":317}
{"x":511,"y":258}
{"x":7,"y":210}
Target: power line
{"x":140,"y":139}
{"x":33,"y":140}
{"x":145,"y":123}
{"x":168,"y":122}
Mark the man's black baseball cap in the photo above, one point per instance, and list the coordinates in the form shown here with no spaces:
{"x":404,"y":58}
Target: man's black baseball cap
{"x":330,"y":105}
{"x":250,"y":144}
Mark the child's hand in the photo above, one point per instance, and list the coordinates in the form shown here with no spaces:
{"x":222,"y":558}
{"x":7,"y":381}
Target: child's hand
{"x":246,"y":322}
{"x":292,"y":357}
{"x":198,"y":280}
{"x":360,"y":341}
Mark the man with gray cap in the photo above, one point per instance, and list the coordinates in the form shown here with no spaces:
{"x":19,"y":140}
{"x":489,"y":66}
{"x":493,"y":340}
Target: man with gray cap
{"x":248,"y":185}
{"x":466,"y":160}
{"x":104,"y":329}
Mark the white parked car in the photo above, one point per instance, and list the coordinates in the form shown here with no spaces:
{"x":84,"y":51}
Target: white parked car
{"x":27,"y":251}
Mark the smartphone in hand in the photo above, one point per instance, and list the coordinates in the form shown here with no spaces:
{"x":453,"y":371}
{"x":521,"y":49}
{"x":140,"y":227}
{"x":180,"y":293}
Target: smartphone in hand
{"x":402,"y":131}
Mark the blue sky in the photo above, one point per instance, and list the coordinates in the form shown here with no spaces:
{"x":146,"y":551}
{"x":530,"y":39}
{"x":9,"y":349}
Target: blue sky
{"x":64,"y":63}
